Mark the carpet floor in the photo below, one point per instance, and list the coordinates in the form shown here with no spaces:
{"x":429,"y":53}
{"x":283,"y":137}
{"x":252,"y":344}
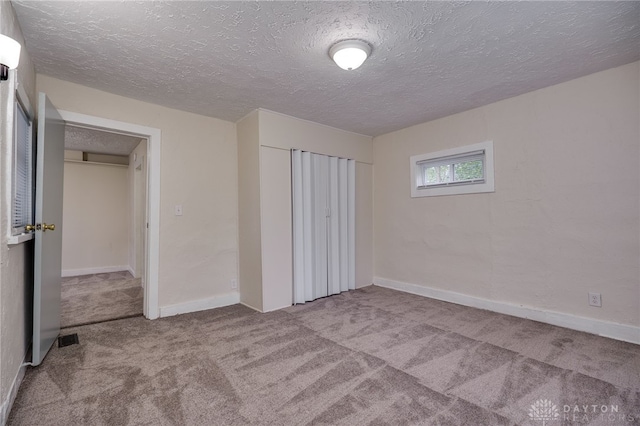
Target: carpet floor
{"x":372,"y":356}
{"x":99,"y":297}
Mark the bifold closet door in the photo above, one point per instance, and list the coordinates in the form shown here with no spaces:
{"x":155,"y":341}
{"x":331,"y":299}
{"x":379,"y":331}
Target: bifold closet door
{"x":323,"y":225}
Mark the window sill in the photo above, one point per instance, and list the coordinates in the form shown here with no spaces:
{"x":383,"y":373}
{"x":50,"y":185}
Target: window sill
{"x":19,"y":239}
{"x":452,"y":190}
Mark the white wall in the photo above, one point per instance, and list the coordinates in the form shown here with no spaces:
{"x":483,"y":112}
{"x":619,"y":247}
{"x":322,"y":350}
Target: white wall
{"x":198,"y":250}
{"x":16,"y":276}
{"x":564,"y":219}
{"x":137,"y":182}
{"x":95,"y":232}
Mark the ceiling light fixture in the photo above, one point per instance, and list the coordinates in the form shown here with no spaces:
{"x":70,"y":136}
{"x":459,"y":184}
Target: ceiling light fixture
{"x":9,"y":55}
{"x":349,"y":54}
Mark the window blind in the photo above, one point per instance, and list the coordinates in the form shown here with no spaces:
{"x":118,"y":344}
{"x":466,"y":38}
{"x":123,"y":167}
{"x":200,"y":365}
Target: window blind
{"x":462,"y":158}
{"x":22,"y":211}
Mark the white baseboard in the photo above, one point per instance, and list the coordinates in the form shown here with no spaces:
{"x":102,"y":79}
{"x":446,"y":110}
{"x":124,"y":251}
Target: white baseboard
{"x":627,"y":333}
{"x":275,"y":309}
{"x":11,"y":397}
{"x":131,"y":271}
{"x":251,"y":307}
{"x":200,"y":305}
{"x":90,"y":271}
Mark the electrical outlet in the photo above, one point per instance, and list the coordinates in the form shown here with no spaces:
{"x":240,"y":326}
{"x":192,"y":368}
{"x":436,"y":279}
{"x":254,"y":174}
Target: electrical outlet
{"x":595,"y":300}
{"x":234,"y":283}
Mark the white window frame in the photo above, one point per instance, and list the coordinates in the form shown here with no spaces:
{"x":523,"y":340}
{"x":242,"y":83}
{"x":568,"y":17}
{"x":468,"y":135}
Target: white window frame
{"x":418,"y":189}
{"x":19,"y":235}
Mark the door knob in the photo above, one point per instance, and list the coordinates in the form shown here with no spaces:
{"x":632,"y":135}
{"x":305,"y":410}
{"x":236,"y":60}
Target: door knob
{"x":30,"y":228}
{"x":46,"y":227}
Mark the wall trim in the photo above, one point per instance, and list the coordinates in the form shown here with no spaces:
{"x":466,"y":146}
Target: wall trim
{"x":91,"y":271}
{"x":626,"y":333}
{"x":5,"y":410}
{"x":200,"y":305}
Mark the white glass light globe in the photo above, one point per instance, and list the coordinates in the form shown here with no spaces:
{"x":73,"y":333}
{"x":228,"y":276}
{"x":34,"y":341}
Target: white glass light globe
{"x":350,"y":54}
{"x":9,"y":52}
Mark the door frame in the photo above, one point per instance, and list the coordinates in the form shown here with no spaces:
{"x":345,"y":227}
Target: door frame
{"x":151,"y":308}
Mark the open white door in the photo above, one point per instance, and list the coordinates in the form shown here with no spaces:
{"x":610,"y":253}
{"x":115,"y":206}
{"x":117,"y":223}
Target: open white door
{"x":48,"y":228}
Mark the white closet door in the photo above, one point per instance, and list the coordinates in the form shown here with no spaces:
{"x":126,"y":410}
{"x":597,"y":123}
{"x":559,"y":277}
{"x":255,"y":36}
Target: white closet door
{"x":323,"y":218}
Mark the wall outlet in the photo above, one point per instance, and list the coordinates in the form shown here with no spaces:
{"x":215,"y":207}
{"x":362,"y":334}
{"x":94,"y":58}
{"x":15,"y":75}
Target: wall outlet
{"x":178,"y":209}
{"x":234,"y":283}
{"x":595,"y":300}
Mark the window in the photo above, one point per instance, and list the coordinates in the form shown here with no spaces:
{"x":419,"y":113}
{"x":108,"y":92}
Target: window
{"x":463,"y":170}
{"x":22,"y":196}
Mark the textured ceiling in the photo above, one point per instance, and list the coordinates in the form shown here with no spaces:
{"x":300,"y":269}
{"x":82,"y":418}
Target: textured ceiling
{"x":429,"y":59}
{"x":98,"y":142}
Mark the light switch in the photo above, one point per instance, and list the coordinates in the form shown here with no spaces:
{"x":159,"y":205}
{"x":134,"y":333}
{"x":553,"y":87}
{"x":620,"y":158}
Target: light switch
{"x":178,"y":209}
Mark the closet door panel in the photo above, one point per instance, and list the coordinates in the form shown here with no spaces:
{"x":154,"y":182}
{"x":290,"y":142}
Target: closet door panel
{"x":323,"y":191}
{"x":320,"y":177}
{"x":351,"y":223}
{"x":343,"y":225}
{"x":301,"y":261}
{"x":334,"y":227}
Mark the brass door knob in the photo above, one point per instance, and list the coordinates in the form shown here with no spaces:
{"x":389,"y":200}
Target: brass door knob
{"x":30,"y":228}
{"x":46,"y":227}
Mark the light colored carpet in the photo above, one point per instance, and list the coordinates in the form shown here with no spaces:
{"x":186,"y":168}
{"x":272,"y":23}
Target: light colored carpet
{"x":368,"y":357}
{"x":99,"y":297}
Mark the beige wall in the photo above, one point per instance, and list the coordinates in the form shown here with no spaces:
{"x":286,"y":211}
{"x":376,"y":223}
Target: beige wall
{"x":364,"y":224}
{"x":95,"y":231}
{"x":198,"y":251}
{"x":16,"y":278}
{"x":282,"y":131}
{"x":249,"y":236}
{"x":563,"y":221}
{"x":275,"y":211}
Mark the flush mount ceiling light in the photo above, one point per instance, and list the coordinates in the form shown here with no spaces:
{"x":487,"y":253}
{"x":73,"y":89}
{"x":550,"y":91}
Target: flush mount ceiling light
{"x":349,"y":54}
{"x":9,"y":55}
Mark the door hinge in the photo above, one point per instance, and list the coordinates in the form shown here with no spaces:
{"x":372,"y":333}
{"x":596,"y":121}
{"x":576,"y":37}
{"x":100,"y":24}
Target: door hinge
{"x":328,"y":212}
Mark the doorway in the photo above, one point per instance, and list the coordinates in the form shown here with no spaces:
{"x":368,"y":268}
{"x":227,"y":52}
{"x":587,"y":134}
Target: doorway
{"x":104,"y":210}
{"x":323,"y":198}
{"x":147,"y":168}
{"x":48,"y":205}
